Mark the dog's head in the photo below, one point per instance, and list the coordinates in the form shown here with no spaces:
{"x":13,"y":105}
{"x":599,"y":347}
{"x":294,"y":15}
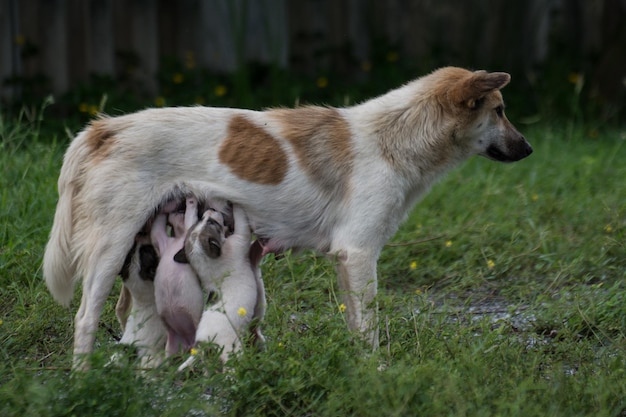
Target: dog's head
{"x":478,"y":106}
{"x":204,"y":239}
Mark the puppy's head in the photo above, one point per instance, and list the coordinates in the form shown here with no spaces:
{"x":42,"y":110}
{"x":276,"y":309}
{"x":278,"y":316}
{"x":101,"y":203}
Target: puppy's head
{"x":205,"y":238}
{"x":477,"y":106}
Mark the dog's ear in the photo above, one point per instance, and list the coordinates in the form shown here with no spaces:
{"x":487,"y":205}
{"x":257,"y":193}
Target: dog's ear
{"x":148,"y":262}
{"x":181,"y":257}
{"x":470,"y":90}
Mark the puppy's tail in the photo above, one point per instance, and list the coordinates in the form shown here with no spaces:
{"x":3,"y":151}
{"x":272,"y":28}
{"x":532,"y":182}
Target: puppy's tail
{"x":59,"y":263}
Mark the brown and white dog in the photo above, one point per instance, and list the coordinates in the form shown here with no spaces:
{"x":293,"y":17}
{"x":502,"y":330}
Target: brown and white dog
{"x":338,"y":180}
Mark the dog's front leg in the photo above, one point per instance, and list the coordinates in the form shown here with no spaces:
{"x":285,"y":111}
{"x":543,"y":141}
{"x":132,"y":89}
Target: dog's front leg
{"x":356,"y":274}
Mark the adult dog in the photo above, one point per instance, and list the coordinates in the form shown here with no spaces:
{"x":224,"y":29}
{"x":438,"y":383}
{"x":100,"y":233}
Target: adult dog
{"x":338,"y":180}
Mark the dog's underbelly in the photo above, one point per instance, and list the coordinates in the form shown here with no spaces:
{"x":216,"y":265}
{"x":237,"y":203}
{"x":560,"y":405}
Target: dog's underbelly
{"x":288,"y":222}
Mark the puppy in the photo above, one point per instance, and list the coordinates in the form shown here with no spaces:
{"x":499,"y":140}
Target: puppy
{"x":227,"y":268}
{"x":177,"y":292}
{"x":136,"y":307}
{"x":338,"y":180}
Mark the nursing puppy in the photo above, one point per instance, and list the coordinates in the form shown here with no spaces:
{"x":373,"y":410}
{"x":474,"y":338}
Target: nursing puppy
{"x":228,"y":268}
{"x":338,"y":180}
{"x":177,"y":292}
{"x":136,"y":307}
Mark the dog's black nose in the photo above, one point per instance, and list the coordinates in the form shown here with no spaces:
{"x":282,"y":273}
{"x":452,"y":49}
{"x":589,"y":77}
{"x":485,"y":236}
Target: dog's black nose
{"x":527,"y":148}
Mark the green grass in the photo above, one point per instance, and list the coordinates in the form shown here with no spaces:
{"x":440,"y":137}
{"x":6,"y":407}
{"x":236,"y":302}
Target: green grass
{"x":502,"y":294}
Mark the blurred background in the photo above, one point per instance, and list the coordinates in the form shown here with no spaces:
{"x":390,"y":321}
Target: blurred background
{"x":567,"y":57}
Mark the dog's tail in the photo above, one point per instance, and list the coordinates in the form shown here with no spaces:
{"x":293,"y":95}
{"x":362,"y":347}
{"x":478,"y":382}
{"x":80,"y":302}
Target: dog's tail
{"x":59,"y":263}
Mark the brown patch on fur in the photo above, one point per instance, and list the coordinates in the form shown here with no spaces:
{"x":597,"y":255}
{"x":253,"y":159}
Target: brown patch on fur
{"x":253,"y":154}
{"x":211,"y":237}
{"x":321,"y":140}
{"x":398,"y":135}
{"x":458,"y":87}
{"x":100,"y":139}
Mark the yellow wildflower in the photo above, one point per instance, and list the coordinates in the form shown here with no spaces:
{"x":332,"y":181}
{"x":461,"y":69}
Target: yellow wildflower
{"x":490,"y":264}
{"x":190,"y":60}
{"x":242,"y":311}
{"x":193,"y":351}
{"x":83,"y":107}
{"x":342,"y":307}
{"x":448,"y":243}
{"x":534,"y":197}
{"x":220,"y":90}
{"x":392,"y":56}
{"x":413,"y":265}
{"x":418,"y":292}
{"x":93,"y":109}
{"x":159,"y":101}
{"x":608,"y":228}
{"x":178,"y":78}
{"x":574,"y":77}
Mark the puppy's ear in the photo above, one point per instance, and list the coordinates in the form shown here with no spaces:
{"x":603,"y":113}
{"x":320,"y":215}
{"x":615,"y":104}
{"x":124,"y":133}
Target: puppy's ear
{"x":181,"y":257}
{"x":470,"y":90}
{"x":148,"y":262}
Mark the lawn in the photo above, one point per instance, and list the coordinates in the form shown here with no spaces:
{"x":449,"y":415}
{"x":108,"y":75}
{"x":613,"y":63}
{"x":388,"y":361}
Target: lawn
{"x":502,"y":294}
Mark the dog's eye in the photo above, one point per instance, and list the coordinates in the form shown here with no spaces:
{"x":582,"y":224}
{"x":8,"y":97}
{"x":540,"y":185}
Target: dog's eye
{"x":500,"y":111}
{"x":215,"y":248}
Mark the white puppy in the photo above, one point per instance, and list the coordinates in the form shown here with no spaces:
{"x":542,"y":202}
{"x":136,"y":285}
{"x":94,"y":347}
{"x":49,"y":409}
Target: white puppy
{"x":338,"y":180}
{"x":228,"y":267}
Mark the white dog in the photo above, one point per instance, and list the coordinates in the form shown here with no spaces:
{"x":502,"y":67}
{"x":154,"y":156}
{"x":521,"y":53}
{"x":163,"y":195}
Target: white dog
{"x":339,"y":180}
{"x":230,"y":269}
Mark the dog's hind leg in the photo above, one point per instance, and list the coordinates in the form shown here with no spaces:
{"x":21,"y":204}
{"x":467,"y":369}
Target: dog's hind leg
{"x":97,"y":284}
{"x":356,"y":274}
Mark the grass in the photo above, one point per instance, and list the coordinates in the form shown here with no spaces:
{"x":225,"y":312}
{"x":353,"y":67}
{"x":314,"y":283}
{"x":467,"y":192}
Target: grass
{"x":502,"y":294}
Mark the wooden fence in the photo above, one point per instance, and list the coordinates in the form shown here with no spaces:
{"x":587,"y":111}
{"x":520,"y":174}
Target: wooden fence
{"x":65,"y":41}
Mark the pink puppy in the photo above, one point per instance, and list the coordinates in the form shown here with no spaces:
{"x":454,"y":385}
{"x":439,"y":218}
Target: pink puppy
{"x":178,"y":294}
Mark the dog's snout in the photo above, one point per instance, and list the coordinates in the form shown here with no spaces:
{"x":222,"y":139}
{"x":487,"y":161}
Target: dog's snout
{"x":527,"y":149}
